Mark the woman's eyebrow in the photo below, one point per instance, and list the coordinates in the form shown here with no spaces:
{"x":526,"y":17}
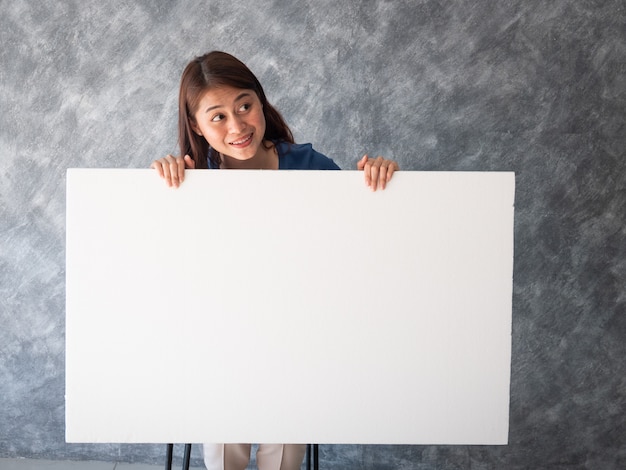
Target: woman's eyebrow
{"x":240,"y":96}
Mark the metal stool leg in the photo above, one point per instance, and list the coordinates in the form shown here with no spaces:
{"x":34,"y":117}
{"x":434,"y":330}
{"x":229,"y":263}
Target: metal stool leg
{"x":316,"y":457}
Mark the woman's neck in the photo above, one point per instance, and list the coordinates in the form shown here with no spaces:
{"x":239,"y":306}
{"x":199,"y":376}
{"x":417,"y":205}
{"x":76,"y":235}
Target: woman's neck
{"x":264,"y":159}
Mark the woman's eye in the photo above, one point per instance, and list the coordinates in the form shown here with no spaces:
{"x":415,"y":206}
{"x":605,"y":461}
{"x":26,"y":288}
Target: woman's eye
{"x":217,"y":117}
{"x":245,"y":107}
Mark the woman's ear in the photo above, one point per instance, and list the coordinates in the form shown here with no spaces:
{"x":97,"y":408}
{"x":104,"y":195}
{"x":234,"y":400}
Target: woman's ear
{"x":194,"y":127}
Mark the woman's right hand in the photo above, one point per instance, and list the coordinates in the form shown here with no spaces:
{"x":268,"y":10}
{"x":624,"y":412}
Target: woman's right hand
{"x":172,"y":169}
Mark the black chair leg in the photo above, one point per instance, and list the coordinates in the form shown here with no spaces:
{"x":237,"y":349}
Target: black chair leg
{"x":316,"y":457}
{"x":170,"y":453}
{"x":308,"y":457}
{"x":187,"y":458}
{"x":168,"y":456}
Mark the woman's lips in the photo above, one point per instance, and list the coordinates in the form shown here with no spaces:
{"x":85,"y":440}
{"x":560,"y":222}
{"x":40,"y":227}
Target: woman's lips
{"x":243,"y":142}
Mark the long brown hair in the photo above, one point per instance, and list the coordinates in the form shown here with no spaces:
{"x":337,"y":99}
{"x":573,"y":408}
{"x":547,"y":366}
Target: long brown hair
{"x":213,"y":70}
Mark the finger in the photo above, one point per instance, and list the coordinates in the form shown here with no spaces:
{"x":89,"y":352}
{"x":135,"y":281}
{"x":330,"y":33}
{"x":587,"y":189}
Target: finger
{"x":374,"y":172}
{"x":382,"y":175}
{"x":364,"y":164}
{"x":166,"y":174}
{"x":189,"y":162}
{"x":393,"y":167}
{"x":158,"y":167}
{"x":174,"y":164}
{"x":180,"y":170}
{"x":174,"y":169}
{"x":360,"y":165}
{"x":167,"y":170}
{"x":367,"y":173}
{"x":386,"y":171}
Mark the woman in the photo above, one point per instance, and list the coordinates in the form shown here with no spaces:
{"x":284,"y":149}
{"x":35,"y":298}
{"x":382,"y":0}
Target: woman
{"x":225,"y":121}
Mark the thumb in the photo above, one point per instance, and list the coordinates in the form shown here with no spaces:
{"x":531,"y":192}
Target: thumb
{"x":189,"y":163}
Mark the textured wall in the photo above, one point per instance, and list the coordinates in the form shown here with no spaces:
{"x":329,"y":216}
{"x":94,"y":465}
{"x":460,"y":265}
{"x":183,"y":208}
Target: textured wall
{"x":534,"y":86}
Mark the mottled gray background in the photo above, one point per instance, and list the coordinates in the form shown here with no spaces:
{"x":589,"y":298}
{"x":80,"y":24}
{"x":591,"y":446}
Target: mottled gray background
{"x":533,"y":86}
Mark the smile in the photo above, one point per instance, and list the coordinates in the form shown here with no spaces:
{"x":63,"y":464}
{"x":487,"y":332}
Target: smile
{"x":243,"y":141}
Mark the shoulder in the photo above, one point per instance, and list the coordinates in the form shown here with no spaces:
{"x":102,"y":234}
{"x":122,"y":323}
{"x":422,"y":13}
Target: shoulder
{"x":302,"y":157}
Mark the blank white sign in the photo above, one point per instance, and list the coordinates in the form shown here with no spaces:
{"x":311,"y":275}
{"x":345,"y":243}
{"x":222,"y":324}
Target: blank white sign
{"x":288,"y":306}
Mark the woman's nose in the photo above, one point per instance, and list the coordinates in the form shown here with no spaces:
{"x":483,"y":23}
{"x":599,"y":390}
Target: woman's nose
{"x":237,"y":124}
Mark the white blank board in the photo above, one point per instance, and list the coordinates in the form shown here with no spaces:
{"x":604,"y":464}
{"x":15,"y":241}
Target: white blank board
{"x":288,"y":306}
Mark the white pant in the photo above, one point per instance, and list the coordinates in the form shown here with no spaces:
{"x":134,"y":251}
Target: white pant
{"x":268,"y":456}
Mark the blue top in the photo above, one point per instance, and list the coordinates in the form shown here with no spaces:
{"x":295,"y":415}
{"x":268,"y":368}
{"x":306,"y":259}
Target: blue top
{"x":300,"y":157}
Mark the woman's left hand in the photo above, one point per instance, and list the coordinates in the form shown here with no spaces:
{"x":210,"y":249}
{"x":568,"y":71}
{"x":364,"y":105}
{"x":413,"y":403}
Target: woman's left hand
{"x":378,"y":171}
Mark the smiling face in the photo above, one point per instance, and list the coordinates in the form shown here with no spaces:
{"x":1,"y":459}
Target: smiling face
{"x":232,"y":122}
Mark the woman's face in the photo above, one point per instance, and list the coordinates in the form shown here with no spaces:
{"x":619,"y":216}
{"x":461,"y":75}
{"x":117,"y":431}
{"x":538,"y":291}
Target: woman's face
{"x":232,"y":121}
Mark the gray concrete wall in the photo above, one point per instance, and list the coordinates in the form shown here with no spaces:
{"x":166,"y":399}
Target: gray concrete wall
{"x":536,"y":87}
